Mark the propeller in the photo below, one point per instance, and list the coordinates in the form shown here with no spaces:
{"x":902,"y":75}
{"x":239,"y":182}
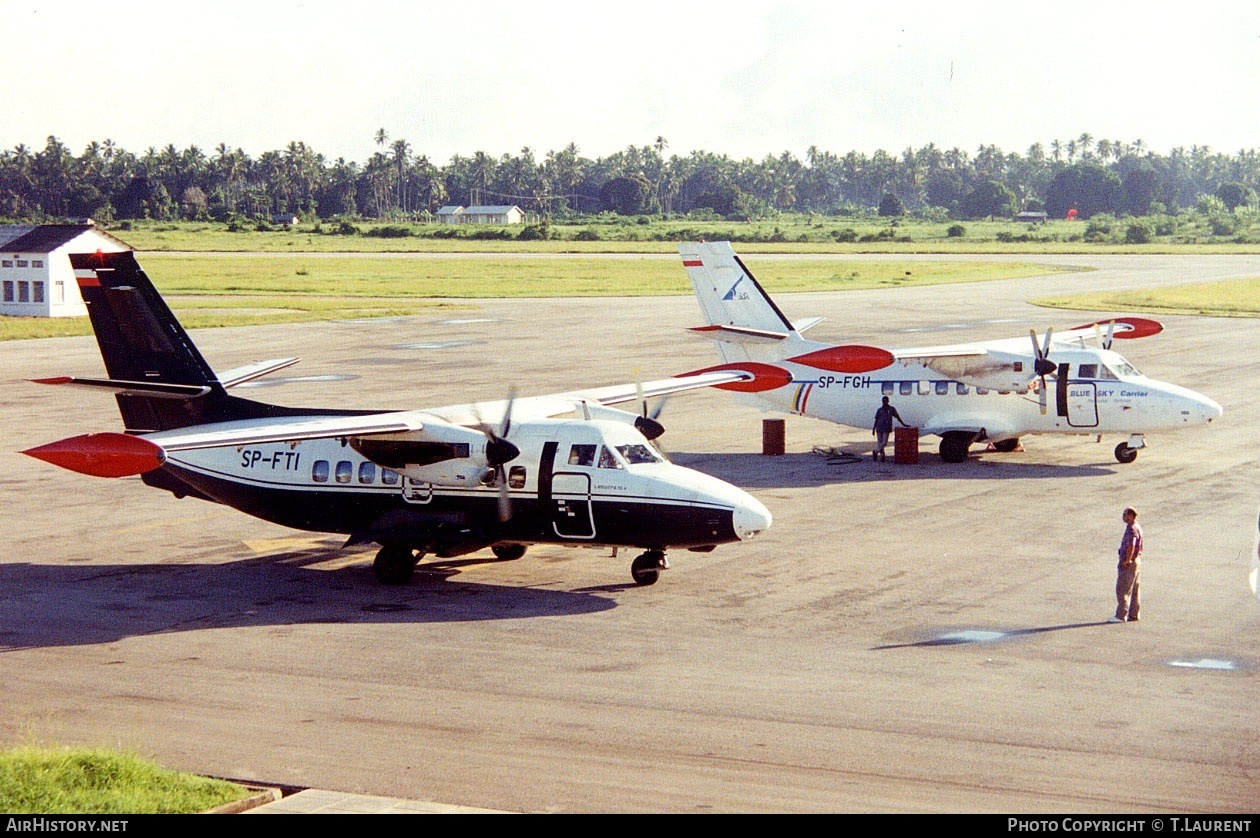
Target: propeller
{"x":644,"y":423}
{"x":499,"y":450}
{"x":1042,"y":365}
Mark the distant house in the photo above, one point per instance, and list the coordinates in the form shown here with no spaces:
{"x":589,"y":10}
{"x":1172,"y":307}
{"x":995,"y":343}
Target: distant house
{"x":449,"y":214}
{"x":1032,"y":217}
{"x":481,"y":215}
{"x":285,"y":219}
{"x":36,"y":279}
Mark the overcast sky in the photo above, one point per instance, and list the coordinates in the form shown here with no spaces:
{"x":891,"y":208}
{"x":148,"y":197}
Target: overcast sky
{"x":743,"y":79}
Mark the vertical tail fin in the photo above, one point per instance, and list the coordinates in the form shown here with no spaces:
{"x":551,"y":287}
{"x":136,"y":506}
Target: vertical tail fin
{"x":142,"y":341}
{"x":741,"y":317}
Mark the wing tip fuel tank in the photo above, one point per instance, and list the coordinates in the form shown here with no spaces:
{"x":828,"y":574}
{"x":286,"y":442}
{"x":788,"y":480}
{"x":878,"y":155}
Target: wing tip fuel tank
{"x":102,"y":455}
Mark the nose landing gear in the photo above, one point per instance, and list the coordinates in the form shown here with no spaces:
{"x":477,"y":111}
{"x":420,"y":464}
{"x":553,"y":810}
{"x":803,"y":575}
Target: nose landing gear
{"x":646,"y":569}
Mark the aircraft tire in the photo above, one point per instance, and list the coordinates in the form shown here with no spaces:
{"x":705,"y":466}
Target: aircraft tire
{"x":955,"y":445}
{"x":394,"y":565}
{"x":508,"y":552}
{"x":1007,"y":445}
{"x":646,"y":569}
{"x":1125,"y":454}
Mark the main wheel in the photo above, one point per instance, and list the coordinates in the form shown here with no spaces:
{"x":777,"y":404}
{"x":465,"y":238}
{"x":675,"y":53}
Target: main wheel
{"x":1125,"y":454}
{"x":646,"y":569}
{"x":1006,"y":446}
{"x":508,"y":552}
{"x":395,"y":565}
{"x":955,"y":445}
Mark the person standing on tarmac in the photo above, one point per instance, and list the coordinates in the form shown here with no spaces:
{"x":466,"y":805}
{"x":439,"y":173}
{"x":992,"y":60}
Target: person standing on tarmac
{"x":883,"y":427}
{"x":1128,"y":604}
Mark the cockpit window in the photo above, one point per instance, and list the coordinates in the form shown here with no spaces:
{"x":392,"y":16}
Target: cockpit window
{"x":607,"y":459}
{"x":1087,"y":371}
{"x":1123,"y":369}
{"x":638,"y":453}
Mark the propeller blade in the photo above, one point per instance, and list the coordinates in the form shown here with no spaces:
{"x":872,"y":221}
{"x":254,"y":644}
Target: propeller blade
{"x":507,"y":414}
{"x":1041,"y":395}
{"x":1111,"y":333}
{"x":1045,"y":352}
{"x":505,"y":497}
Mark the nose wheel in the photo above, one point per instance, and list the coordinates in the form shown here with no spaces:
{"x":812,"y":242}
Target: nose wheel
{"x":646,"y":569}
{"x":1125,"y":454}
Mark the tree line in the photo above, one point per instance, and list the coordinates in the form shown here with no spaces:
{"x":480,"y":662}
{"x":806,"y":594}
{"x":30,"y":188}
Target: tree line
{"x":106,"y":182}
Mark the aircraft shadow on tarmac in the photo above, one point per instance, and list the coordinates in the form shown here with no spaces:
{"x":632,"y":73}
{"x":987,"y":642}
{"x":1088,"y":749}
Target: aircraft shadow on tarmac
{"x":786,"y":471}
{"x":974,"y":636}
{"x":62,"y":605}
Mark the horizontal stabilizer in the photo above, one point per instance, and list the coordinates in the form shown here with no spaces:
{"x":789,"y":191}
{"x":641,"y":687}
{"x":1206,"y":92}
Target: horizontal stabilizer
{"x":152,"y":389}
{"x":249,"y":372}
{"x":102,"y":455}
{"x":739,"y":334}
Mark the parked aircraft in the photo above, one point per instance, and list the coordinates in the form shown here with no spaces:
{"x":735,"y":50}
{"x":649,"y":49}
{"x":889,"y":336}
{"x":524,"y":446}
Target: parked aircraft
{"x":560,"y":469}
{"x":994,"y":392}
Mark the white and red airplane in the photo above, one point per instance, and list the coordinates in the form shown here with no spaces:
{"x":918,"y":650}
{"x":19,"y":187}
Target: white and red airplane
{"x":995,"y":391}
{"x":561,"y":469}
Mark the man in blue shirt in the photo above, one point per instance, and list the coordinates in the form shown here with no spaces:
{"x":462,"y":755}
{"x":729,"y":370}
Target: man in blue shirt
{"x":883,"y":427}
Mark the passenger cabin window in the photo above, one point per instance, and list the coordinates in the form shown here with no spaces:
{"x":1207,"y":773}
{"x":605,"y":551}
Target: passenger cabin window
{"x":345,"y":470}
{"x":887,"y":388}
{"x":907,"y":387}
{"x":389,"y":477}
{"x":582,"y":455}
{"x":607,"y":460}
{"x":942,"y":388}
{"x":963,"y":389}
{"x":925,"y":387}
{"x":982,"y":391}
{"x":367,"y":472}
{"x":319,"y":471}
{"x":516,"y":477}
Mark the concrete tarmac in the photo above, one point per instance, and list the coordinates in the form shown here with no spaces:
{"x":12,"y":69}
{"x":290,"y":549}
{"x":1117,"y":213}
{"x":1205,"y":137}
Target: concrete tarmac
{"x":925,"y":638}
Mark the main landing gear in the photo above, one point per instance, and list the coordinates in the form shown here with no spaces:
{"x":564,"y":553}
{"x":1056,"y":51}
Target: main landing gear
{"x":955,"y":445}
{"x":646,"y":569}
{"x":394,"y":565}
{"x":508,"y":552}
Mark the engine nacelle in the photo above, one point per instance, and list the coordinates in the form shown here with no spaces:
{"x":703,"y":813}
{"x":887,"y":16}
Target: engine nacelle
{"x":459,"y":472}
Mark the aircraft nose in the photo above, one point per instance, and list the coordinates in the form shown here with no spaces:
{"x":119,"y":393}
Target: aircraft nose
{"x":1210,"y":410}
{"x":750,"y":519}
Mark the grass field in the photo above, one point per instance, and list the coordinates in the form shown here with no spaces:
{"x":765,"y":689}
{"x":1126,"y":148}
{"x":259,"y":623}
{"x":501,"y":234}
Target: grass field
{"x":1230,"y":298}
{"x":82,"y":781}
{"x":216,"y":289}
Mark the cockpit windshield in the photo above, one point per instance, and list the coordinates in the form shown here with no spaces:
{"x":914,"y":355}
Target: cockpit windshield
{"x":1121,"y":368}
{"x":636,"y":453}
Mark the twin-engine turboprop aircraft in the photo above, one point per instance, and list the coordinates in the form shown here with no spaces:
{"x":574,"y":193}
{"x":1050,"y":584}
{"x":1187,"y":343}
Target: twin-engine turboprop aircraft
{"x":994,"y":391}
{"x":561,"y":469}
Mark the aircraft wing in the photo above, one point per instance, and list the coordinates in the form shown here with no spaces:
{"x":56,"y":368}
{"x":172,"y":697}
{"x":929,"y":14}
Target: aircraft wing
{"x":250,"y":432}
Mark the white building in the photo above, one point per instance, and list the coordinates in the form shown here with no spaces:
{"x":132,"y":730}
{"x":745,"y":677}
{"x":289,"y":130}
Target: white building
{"x":36,"y":279}
{"x":497,"y":214}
